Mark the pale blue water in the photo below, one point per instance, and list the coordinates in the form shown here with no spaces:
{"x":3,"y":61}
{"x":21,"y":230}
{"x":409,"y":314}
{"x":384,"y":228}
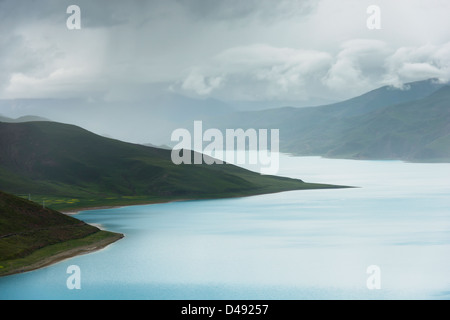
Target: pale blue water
{"x":292,"y":245}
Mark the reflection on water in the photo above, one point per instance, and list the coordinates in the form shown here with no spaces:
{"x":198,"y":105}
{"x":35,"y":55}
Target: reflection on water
{"x":294,"y":245}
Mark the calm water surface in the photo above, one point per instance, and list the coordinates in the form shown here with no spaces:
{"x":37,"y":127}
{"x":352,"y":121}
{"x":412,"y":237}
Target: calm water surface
{"x":313,"y":244}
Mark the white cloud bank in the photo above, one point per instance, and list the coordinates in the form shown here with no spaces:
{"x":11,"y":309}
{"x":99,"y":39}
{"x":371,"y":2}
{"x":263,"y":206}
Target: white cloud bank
{"x":259,"y":72}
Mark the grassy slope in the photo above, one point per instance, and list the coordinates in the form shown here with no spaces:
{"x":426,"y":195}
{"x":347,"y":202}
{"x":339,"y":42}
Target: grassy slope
{"x":71,"y":168}
{"x":31,"y":236}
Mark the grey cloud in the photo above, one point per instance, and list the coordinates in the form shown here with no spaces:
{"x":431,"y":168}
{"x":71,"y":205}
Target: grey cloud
{"x":266,"y":10}
{"x":95,"y":13}
{"x":19,"y":12}
{"x":259,"y":72}
{"x":16,"y":56}
{"x":228,"y":49}
{"x":360,"y":62}
{"x":415,"y":63}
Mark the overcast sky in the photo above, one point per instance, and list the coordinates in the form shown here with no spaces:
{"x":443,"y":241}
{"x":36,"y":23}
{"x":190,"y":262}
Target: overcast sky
{"x":248,"y":50}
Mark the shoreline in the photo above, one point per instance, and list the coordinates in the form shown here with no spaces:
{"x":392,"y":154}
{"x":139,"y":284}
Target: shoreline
{"x":77,"y":211}
{"x":66,"y":254}
{"x":83,"y":249}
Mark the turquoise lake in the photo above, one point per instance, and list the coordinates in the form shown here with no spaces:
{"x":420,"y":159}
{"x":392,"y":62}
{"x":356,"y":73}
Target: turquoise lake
{"x":314,"y":244}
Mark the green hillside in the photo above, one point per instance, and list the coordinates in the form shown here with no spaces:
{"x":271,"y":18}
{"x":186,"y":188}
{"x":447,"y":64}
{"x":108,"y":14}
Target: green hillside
{"x":69,"y":167}
{"x":32,"y":236}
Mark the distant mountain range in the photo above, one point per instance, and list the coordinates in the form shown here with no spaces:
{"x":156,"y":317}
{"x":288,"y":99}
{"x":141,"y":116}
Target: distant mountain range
{"x":386,"y":123}
{"x":68,"y":167}
{"x":22,"y":119}
{"x":413,"y":131}
{"x":143,"y":121}
{"x":411,"y":123}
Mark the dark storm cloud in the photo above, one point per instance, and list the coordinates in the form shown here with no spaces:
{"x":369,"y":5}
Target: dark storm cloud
{"x":237,"y":9}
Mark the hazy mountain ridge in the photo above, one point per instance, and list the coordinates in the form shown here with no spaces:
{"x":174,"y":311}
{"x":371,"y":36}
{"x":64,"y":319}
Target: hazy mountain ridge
{"x":413,"y":131}
{"x":22,"y":119}
{"x":334,"y":130}
{"x":344,"y":129}
{"x":149,"y":120}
